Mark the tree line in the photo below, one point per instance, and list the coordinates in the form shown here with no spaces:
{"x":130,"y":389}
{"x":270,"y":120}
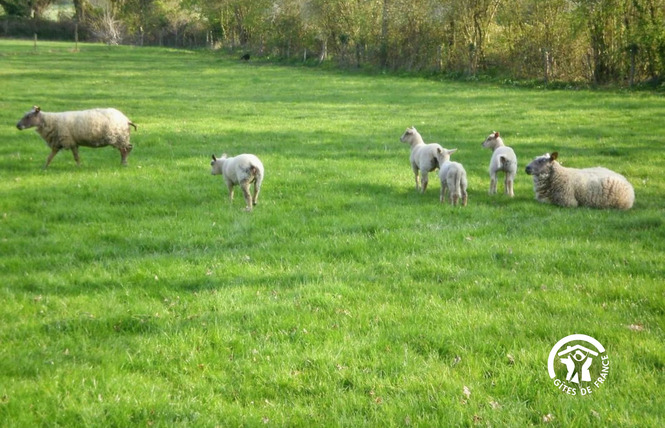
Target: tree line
{"x":596,"y":41}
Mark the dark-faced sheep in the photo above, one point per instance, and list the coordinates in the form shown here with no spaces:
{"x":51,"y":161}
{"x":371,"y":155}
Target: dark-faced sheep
{"x":88,"y":128}
{"x":240,"y":170}
{"x":570,"y":187}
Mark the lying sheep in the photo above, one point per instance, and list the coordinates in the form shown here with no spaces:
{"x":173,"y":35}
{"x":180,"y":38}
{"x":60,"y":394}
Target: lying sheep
{"x":88,"y":128}
{"x":503,"y":159}
{"x":453,"y":177}
{"x":423,"y":156}
{"x":570,"y":187}
{"x":243,"y":170}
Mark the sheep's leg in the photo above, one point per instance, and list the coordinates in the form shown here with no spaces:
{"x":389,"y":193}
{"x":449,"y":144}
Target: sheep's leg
{"x":229,"y":185}
{"x":454,"y":198}
{"x":75,"y":152}
{"x":493,"y":184}
{"x":442,"y":193}
{"x":415,"y":174}
{"x":510,"y":183}
{"x":257,"y":190}
{"x":54,"y":151}
{"x":245,"y":192}
{"x":424,"y":179}
{"x":124,"y":153}
{"x":464,"y":197}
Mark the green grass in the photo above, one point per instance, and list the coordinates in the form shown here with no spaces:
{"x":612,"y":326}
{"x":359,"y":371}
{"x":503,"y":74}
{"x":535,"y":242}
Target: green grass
{"x":140,"y":296}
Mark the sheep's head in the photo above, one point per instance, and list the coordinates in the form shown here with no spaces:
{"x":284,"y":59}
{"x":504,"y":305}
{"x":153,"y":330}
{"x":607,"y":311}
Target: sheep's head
{"x":541,"y":164}
{"x":443,"y":155}
{"x":410,"y":136}
{"x":493,"y":141}
{"x":216,"y":164}
{"x":30,"y":119}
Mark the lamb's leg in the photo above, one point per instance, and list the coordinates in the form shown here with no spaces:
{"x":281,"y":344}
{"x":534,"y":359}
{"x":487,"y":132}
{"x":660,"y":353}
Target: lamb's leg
{"x":511,"y":183}
{"x":415,"y":174}
{"x":423,"y":180}
{"x":75,"y":152}
{"x":454,"y":198}
{"x":464,"y":197}
{"x":442,"y":193}
{"x":245,"y":192}
{"x":54,"y":151}
{"x":229,"y":185}
{"x":257,"y":190}
{"x":493,"y":184}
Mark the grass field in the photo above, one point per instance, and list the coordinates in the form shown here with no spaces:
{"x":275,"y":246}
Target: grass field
{"x":139,"y":296}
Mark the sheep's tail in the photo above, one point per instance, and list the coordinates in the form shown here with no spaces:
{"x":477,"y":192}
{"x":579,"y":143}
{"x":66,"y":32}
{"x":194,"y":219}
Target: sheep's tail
{"x":504,"y":162}
{"x":133,"y":124}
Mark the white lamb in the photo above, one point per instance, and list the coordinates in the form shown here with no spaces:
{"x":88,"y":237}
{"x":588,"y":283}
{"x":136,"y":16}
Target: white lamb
{"x":423,"y":156}
{"x":503,"y":159}
{"x":242,"y":170}
{"x":89,"y":128}
{"x":570,"y":187}
{"x":453,"y":177}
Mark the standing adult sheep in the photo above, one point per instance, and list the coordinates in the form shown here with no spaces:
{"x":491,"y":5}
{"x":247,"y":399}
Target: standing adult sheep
{"x":570,"y":187}
{"x":88,"y":128}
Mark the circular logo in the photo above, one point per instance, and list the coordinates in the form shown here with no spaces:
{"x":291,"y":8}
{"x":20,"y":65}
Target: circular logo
{"x":578,"y":364}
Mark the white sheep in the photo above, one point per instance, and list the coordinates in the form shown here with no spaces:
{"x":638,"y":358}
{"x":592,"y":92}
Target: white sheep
{"x":423,"y":156}
{"x":503,"y":159}
{"x":242,"y":170}
{"x":570,"y":187}
{"x":88,"y":128}
{"x":453,"y":177}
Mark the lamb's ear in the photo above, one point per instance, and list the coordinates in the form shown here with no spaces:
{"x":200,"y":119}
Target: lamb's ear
{"x":451,"y":151}
{"x":496,"y":134}
{"x":439,"y":150}
{"x":554,"y":156}
{"x":37,"y":109}
{"x":214,"y":158}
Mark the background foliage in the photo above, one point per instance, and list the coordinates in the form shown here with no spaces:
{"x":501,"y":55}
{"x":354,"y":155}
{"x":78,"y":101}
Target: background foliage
{"x":597,"y":41}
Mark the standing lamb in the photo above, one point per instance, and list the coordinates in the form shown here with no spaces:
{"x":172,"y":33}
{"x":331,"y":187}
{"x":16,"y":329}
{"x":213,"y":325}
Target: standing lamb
{"x":88,"y":128}
{"x":453,"y":177}
{"x":503,"y":159}
{"x":423,"y":156}
{"x":570,"y":187}
{"x":243,"y":170}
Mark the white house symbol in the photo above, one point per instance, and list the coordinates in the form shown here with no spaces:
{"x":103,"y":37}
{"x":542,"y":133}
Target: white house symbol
{"x":580,"y":353}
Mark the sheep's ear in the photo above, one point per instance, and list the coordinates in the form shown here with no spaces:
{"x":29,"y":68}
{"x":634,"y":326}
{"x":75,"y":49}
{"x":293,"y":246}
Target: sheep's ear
{"x":496,"y":134}
{"x":554,"y":156}
{"x":214,"y":158}
{"x":451,"y":151}
{"x":439,"y":150}
{"x":37,"y":109}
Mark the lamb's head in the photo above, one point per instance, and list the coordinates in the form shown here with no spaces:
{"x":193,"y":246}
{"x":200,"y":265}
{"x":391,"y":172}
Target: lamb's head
{"x":493,"y":141}
{"x":411,"y":136}
{"x":443,"y":155}
{"x":542,"y":164}
{"x":30,"y":119}
{"x":216,"y":164}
